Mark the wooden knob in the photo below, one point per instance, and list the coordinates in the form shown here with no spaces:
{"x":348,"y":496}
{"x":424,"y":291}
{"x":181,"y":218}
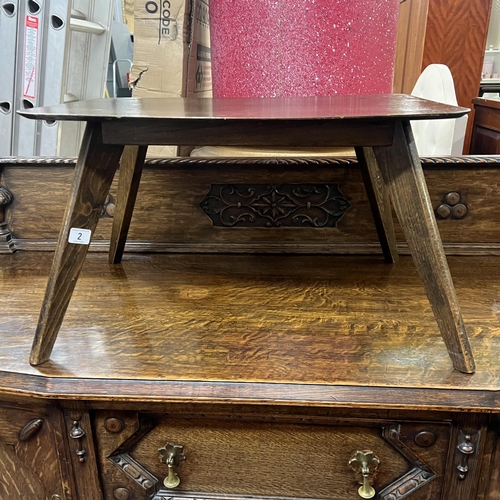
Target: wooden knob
{"x":459,"y":211}
{"x":443,"y":210}
{"x":425,"y":439}
{"x":122,"y":494}
{"x":114,"y":425}
{"x":452,"y":198}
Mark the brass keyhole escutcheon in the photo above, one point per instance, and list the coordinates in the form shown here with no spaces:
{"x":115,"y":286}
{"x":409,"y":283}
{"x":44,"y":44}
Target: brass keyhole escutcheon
{"x":365,"y":462}
{"x":172,"y":455}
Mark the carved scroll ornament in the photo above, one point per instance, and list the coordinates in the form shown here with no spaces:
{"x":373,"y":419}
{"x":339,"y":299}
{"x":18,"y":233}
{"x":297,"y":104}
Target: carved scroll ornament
{"x":271,"y":205}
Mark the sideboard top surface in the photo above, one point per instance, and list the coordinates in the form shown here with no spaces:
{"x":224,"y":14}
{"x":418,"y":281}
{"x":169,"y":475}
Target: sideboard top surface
{"x":309,"y":330}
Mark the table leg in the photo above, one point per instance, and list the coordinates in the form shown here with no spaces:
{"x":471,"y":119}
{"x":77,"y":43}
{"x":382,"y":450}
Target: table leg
{"x":94,"y":172}
{"x":403,"y":175}
{"x":129,"y":178}
{"x":380,"y":202}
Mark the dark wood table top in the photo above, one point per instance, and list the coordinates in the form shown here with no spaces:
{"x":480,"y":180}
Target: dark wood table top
{"x":347,"y":107}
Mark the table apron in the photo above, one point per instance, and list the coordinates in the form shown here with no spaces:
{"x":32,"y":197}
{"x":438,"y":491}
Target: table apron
{"x":240,"y":132}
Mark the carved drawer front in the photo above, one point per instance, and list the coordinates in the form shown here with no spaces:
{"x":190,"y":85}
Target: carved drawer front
{"x":159,"y":457}
{"x":32,"y":462}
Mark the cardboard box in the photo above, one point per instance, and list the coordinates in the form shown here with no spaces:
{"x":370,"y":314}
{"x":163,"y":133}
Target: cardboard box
{"x":171,"y":53}
{"x":128,"y":14}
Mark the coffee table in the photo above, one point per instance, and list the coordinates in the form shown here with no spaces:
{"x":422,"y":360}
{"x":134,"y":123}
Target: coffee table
{"x":377,"y":126}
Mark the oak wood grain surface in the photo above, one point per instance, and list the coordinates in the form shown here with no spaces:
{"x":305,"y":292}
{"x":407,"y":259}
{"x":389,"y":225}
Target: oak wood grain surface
{"x":31,"y":463}
{"x":304,"y":460}
{"x":410,"y":199}
{"x":380,"y":201}
{"x":252,"y":328}
{"x":94,"y":173}
{"x":172,"y":192}
{"x":372,"y":120}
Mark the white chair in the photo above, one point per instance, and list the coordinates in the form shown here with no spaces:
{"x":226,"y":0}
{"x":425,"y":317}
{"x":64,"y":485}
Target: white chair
{"x":438,"y":137}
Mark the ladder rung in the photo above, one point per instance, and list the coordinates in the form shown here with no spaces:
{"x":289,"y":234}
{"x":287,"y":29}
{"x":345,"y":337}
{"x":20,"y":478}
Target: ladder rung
{"x":86,"y":26}
{"x":78,"y":14}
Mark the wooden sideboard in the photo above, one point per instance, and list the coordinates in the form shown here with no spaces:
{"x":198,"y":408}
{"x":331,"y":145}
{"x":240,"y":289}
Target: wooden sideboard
{"x":269,"y":371}
{"x":486,"y":130}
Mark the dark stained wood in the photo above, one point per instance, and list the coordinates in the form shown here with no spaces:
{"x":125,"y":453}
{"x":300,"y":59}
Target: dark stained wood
{"x":131,"y":165}
{"x":412,"y":205}
{"x":488,"y":474}
{"x":6,"y":243}
{"x":261,"y":122}
{"x":234,"y":351}
{"x":41,"y":187}
{"x":269,"y":450}
{"x":378,"y":195}
{"x":491,"y":477}
{"x":485,"y":139}
{"x":13,"y":473}
{"x":231,"y":358}
{"x":279,"y":323}
{"x":110,"y":442}
{"x":234,"y":132}
{"x":466,"y":487}
{"x":487,"y":102}
{"x":296,"y":109}
{"x":486,"y":129}
{"x":487,"y":114}
{"x":94,"y":172}
{"x":87,"y":480}
{"x":34,"y":467}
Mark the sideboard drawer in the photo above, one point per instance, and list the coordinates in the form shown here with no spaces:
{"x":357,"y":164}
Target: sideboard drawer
{"x":263,"y":457}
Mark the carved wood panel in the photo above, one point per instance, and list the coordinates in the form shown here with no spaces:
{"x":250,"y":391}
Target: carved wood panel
{"x":261,"y":458}
{"x":167,"y":216}
{"x":270,"y":205}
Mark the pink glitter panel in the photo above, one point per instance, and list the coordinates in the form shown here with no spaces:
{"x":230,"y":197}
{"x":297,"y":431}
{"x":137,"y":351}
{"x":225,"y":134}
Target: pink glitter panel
{"x":272,"y":48}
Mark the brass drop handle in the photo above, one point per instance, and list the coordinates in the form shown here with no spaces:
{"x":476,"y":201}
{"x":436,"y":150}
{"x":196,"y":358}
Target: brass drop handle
{"x":172,"y":455}
{"x":366,"y":463}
